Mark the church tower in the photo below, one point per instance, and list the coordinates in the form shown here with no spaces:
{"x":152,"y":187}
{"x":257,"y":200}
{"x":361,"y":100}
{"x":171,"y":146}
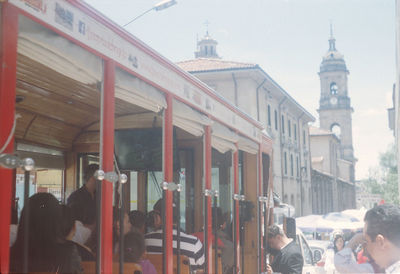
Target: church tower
{"x":334,"y":105}
{"x":206,"y":47}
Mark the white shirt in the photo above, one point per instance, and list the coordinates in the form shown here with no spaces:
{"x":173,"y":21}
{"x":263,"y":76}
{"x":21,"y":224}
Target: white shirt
{"x":345,"y":262}
{"x":394,"y":268}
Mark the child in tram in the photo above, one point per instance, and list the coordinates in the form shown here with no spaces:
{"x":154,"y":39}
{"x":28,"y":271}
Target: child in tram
{"x":48,"y":251}
{"x":134,"y":251}
{"x":138,"y":221}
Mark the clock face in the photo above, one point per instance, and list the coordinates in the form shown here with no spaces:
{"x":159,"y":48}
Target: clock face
{"x":333,"y":101}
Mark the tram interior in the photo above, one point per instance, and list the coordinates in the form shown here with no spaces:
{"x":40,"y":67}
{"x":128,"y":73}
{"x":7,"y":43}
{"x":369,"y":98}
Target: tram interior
{"x":58,"y":125}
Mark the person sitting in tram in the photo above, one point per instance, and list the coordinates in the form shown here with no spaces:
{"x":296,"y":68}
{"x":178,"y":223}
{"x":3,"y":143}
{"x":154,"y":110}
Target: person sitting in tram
{"x":138,"y":221}
{"x":134,"y":252}
{"x":83,"y":200}
{"x":153,"y":221}
{"x":190,"y":246}
{"x":69,"y":230}
{"x":47,"y":249}
{"x":116,"y":229}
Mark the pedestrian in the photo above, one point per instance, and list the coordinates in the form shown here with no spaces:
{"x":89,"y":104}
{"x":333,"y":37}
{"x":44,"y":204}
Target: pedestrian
{"x":382,"y":236}
{"x":288,"y":258}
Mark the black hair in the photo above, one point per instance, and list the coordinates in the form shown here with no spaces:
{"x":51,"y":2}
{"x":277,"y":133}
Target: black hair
{"x":137,"y":219}
{"x":337,"y":237}
{"x":44,"y":233}
{"x":67,"y":220}
{"x":89,"y":171}
{"x":158,"y":206}
{"x":274,"y":230}
{"x":385,"y":220}
{"x":134,"y":247}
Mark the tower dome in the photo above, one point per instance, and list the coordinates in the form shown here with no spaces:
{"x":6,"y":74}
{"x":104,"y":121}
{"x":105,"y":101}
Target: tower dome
{"x":333,"y":60}
{"x":207,"y":47}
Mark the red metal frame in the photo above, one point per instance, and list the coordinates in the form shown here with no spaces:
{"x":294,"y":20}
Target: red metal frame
{"x":8,"y":57}
{"x":260,"y":193}
{"x":236,"y":204}
{"x":168,"y":177}
{"x":207,"y":176}
{"x":107,"y":165}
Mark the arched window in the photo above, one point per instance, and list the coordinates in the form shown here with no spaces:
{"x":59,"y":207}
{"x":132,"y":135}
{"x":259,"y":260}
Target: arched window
{"x":335,"y":128}
{"x":333,"y":88}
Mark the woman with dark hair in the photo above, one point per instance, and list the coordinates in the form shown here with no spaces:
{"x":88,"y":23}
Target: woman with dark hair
{"x":338,"y":243}
{"x":48,"y":251}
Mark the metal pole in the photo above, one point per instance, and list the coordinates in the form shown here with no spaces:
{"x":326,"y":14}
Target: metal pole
{"x":164,"y":239}
{"x":215,"y":226}
{"x":178,"y":232}
{"x":26,"y":224}
{"x":207,"y":205}
{"x":205,"y":245}
{"x":98,"y":225}
{"x":121,"y":230}
{"x":236,"y":210}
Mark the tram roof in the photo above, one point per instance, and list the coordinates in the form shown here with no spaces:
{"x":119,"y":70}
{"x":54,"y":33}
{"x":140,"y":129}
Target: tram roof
{"x":99,"y":35}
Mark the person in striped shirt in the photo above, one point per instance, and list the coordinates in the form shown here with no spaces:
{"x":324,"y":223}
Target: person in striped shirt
{"x":190,"y":246}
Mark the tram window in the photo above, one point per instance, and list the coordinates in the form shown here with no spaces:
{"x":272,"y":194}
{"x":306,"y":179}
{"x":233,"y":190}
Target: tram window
{"x":42,"y":180}
{"x":215,"y":180}
{"x":133,"y":189}
{"x":154,"y":191}
{"x":83,"y":161}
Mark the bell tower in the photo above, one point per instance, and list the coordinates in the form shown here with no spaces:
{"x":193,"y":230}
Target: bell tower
{"x":334,"y":105}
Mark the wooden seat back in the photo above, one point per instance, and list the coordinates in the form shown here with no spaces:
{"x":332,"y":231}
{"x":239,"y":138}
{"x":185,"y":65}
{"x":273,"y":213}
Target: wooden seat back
{"x":157,"y":261}
{"x":131,"y":268}
{"x":219,"y":262}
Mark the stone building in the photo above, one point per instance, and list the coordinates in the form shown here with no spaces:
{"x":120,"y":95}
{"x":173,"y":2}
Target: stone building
{"x":251,"y":89}
{"x":332,"y":150}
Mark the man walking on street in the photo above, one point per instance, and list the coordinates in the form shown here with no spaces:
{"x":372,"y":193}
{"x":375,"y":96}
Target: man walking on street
{"x":382,"y":235}
{"x":288,"y":258}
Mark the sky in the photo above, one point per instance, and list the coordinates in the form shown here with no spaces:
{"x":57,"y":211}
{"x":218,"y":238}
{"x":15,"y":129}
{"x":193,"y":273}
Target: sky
{"x":287,"y":38}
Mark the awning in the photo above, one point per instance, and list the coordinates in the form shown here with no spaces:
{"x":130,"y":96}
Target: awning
{"x":189,"y":119}
{"x":137,"y":92}
{"x":48,"y":48}
{"x":247,"y":145}
{"x":222,"y":138}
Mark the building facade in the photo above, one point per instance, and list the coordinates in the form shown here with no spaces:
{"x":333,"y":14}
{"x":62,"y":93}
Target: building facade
{"x":252,"y":90}
{"x":333,"y":160}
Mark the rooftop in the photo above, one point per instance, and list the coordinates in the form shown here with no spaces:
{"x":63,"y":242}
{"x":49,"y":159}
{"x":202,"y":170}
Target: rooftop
{"x":211,"y":64}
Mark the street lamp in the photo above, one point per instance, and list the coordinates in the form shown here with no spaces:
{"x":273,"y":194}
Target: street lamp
{"x":157,"y":7}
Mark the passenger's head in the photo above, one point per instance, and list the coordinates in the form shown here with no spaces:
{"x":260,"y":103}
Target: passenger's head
{"x":44,"y":230}
{"x":138,"y":220}
{"x":153,"y":220}
{"x":88,"y":176}
{"x":276,"y":237}
{"x":338,"y":242}
{"x":134,"y":247}
{"x":382,"y":234}
{"x":117,"y":224}
{"x":68,"y":222}
{"x":159,"y":205}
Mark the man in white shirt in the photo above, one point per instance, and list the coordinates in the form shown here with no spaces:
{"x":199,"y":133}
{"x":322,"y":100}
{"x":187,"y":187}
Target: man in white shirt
{"x":382,"y":235}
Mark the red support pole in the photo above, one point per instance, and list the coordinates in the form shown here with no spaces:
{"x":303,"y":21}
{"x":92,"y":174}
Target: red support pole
{"x":107,"y":165}
{"x":236,"y":204}
{"x":168,"y":177}
{"x":8,"y":67}
{"x":260,"y":207}
{"x":207,"y":176}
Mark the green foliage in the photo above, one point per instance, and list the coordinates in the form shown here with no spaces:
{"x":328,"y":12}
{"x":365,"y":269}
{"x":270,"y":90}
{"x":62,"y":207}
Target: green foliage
{"x":383,"y":180}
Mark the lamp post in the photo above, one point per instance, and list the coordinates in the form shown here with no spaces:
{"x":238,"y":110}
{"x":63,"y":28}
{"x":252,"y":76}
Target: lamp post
{"x":157,"y":7}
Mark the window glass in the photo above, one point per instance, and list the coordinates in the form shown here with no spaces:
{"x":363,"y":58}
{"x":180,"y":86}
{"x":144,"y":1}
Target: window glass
{"x":154,"y":191}
{"x":283,"y":124}
{"x":133,"y":189}
{"x":291,"y":165}
{"x":276,"y":119}
{"x":285,"y":156}
{"x":306,"y":251}
{"x":269,"y":115}
{"x":289,"y":128}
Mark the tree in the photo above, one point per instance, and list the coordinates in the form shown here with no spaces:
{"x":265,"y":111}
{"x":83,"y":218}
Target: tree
{"x":383,"y":180}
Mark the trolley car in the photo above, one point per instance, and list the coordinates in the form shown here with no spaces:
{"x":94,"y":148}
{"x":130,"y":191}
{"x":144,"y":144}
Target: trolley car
{"x":78,"y":89}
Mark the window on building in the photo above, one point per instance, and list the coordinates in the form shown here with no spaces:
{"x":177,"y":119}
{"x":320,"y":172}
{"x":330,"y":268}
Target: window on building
{"x":289,"y":126}
{"x":291,"y":165}
{"x":283,"y":124}
{"x":206,"y":49}
{"x":297,"y":166}
{"x":285,"y":164}
{"x":269,"y":115}
{"x":276,"y":119}
{"x":333,"y":88}
{"x":295,"y":132}
{"x":304,"y":137}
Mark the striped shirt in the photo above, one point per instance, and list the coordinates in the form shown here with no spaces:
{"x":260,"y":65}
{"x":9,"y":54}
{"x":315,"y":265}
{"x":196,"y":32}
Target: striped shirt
{"x":190,"y":246}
